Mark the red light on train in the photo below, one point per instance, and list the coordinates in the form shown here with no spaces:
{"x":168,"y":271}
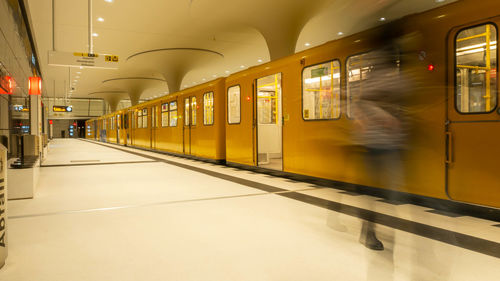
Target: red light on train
{"x":430,"y":67}
{"x":248,"y":98}
{"x":50,"y":122}
{"x":35,"y":86}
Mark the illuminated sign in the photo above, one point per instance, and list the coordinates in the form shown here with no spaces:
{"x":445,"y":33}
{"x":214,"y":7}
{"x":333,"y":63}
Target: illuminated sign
{"x":62,"y":108}
{"x":77,"y":59}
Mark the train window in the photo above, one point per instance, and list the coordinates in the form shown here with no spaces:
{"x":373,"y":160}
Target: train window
{"x":268,"y":99}
{"x":321,"y":91}
{"x":139,"y":119}
{"x":233,"y":105}
{"x":208,"y":108}
{"x":193,"y":111}
{"x":145,"y":118}
{"x":186,"y":112}
{"x":164,"y":115}
{"x":173,"y":114}
{"x":476,"y":69}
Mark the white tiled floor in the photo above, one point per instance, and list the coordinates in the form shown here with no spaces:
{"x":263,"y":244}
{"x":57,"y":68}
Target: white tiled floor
{"x":155,"y":221}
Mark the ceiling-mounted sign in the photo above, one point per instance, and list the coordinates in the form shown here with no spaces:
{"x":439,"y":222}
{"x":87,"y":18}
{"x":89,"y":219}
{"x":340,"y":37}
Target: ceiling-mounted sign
{"x":83,"y":60}
{"x":62,"y":108}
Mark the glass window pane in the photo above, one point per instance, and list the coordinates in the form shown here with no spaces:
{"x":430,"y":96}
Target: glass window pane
{"x":145,"y":118}
{"x":139,"y":119}
{"x":208,"y":108}
{"x":186,"y":112}
{"x":268,"y":95}
{"x":193,"y":111}
{"x":476,"y":69}
{"x":321,"y":91}
{"x":233,"y":105}
{"x":164,"y":115}
{"x":173,"y":114}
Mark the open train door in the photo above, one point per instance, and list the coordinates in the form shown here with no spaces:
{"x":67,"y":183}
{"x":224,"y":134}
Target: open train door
{"x":269,"y":122}
{"x":473,"y":116}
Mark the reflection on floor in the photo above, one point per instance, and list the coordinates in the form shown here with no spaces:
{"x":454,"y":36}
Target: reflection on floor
{"x":273,"y":164}
{"x":132,"y":217}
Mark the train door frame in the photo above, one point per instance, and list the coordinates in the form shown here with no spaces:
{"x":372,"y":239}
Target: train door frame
{"x":279,"y":121}
{"x":469,"y":135}
{"x":186,"y":126}
{"x":154,"y":128}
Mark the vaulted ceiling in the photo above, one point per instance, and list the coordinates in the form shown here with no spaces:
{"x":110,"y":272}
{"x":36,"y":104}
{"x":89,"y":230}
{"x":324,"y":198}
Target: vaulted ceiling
{"x":149,"y":37}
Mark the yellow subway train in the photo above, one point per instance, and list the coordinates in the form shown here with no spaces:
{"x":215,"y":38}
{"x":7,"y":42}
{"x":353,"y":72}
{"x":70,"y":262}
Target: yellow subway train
{"x":294,"y":115}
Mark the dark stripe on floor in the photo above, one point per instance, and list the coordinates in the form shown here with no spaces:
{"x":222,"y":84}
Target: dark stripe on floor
{"x":457,"y":239}
{"x":445,"y":213}
{"x":93,"y":164}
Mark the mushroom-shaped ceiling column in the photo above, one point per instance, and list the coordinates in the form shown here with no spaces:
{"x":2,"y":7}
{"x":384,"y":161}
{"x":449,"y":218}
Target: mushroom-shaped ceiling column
{"x":112,"y":97}
{"x":135,"y":86}
{"x":173,"y":63}
{"x":280,"y":22}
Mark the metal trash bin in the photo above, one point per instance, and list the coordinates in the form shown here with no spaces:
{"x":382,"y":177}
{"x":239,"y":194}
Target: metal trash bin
{"x":3,"y":205}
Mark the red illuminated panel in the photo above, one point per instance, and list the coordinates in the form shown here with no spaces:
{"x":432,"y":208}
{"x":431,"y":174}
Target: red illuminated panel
{"x":35,"y":86}
{"x":6,"y":85}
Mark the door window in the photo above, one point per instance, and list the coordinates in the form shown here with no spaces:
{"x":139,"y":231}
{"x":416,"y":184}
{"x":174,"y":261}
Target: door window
{"x":476,"y":69}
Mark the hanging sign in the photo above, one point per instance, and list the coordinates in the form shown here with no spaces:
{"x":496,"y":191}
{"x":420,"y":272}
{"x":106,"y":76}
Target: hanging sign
{"x":62,"y":108}
{"x":83,"y":60}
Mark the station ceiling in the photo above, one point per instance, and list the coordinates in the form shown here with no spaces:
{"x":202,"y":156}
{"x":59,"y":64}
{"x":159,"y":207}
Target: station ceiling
{"x":243,"y":32}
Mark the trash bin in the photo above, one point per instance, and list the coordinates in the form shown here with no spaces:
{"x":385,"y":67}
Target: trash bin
{"x":3,"y":205}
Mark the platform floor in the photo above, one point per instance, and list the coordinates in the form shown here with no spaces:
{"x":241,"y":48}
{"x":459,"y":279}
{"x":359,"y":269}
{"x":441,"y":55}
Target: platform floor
{"x":102,"y":213}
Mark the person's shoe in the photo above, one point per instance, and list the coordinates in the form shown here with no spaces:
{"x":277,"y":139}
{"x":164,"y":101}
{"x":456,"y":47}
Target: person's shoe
{"x":371,"y":242}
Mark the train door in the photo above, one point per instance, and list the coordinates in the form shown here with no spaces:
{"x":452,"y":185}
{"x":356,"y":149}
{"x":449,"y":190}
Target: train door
{"x":118,"y":126}
{"x":473,"y":116}
{"x":269,"y":123}
{"x":124,"y":135}
{"x":154,"y":126}
{"x":95,"y":130}
{"x":186,"y":129}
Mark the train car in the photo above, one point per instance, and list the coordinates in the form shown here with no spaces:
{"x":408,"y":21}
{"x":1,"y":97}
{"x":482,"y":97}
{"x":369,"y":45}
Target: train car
{"x":294,"y":115}
{"x":189,"y":123}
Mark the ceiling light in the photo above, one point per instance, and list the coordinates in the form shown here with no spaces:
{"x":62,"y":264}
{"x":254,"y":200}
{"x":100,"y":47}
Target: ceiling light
{"x":100,"y":19}
{"x":95,"y":34}
{"x":78,"y":72}
{"x":440,"y":1}
{"x":307,"y":44}
{"x":227,"y":71}
{"x":259,"y":60}
{"x":109,"y":1}
{"x":242,"y":66}
{"x":381,"y":19}
{"x":215,"y":75}
{"x":340,"y":33}
{"x":204,"y":79}
{"x":81,"y":67}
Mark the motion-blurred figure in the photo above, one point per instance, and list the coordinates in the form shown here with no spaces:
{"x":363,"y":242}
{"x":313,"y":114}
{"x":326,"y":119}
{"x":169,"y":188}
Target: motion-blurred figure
{"x":380,"y":122}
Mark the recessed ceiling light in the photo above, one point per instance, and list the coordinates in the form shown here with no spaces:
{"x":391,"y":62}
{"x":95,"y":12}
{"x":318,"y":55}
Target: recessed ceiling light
{"x":242,"y":66}
{"x":81,"y":67}
{"x":215,"y":75}
{"x":340,"y":33}
{"x":227,"y":71}
{"x":100,"y":19}
{"x":204,"y":79}
{"x":307,"y":44}
{"x":440,"y":1}
{"x":259,"y":60}
{"x":109,"y":1}
{"x":381,"y":19}
{"x":95,"y":34}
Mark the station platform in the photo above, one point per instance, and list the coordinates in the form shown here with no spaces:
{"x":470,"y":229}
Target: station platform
{"x":108,"y":212}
